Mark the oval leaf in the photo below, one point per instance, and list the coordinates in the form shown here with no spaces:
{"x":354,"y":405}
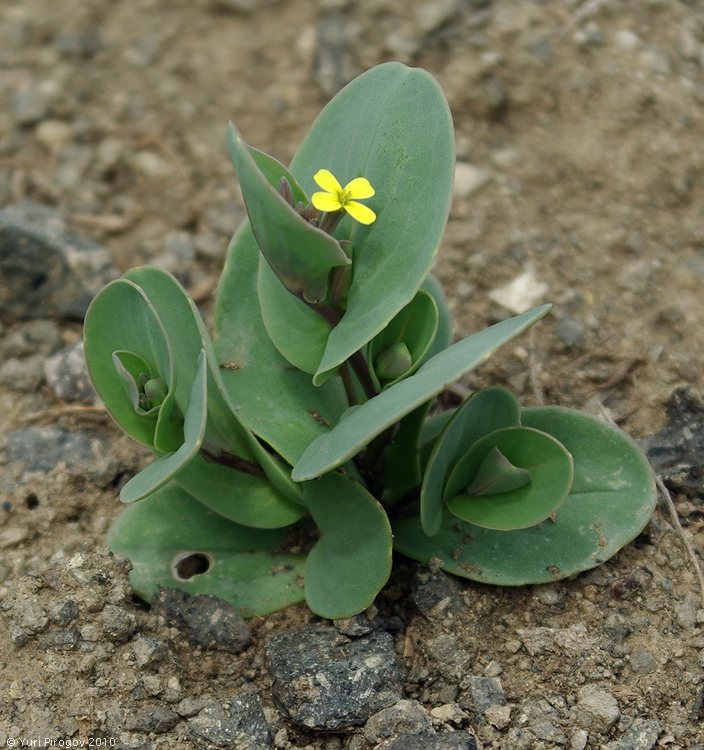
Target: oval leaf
{"x":351,"y":562}
{"x":360,"y":425}
{"x":612,"y":498}
{"x":550,"y":471}
{"x":242,"y":568}
{"x":488,"y":410}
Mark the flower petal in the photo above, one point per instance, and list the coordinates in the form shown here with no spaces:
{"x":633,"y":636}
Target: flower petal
{"x":327,"y":180}
{"x":326,"y":202}
{"x":361,"y":213}
{"x":360,"y":187}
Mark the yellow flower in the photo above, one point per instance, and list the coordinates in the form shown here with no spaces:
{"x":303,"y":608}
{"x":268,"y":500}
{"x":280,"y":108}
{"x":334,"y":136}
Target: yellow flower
{"x":336,"y":198}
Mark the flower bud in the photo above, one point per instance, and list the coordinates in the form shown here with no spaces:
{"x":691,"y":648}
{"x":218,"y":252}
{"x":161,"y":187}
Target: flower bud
{"x":393,"y":362}
{"x":155,"y":391}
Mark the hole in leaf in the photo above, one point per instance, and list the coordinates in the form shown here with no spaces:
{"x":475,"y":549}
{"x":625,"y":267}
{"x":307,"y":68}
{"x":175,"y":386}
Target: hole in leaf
{"x":190,"y":564}
{"x":31,"y":501}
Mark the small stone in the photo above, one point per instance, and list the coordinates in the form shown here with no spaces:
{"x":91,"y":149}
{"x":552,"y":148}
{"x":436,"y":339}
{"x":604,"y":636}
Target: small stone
{"x":656,"y":60}
{"x":64,"y":612}
{"x":47,"y":272}
{"x":325,"y":681}
{"x":468,"y":179}
{"x":118,"y":624}
{"x":404,"y":717}
{"x":570,"y":331}
{"x":178,"y":256}
{"x":642,"y":661}
{"x":77,"y":44}
{"x":688,"y":46}
{"x":64,"y":640}
{"x":191,"y":706}
{"x":450,"y":659}
{"x":32,"y":337}
{"x":448,"y":741}
{"x":493,"y":669}
{"x":151,"y":164}
{"x":431,"y":16}
{"x":234,"y":6}
{"x":206,"y":621}
{"x":157,"y":719}
{"x":403,"y":44}
{"x":433,"y":592}
{"x":484,"y":693}
{"x":579,"y":739}
{"x":66,"y":374}
{"x":548,"y":732}
{"x":13,"y":537}
{"x":521,"y":294}
{"x":54,"y":134}
{"x":498,"y":716}
{"x":332,"y":65}
{"x":109,"y":154}
{"x":360,"y":624}
{"x":148,"y":650}
{"x":239,"y":724}
{"x":31,"y":106}
{"x":641,"y":735}
{"x":450,"y":713}
{"x":596,"y":710}
{"x":143,"y":52}
{"x":23,"y":375}
{"x":627,"y":40}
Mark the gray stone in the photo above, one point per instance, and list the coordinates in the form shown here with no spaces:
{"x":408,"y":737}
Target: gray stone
{"x":178,"y":256}
{"x":332,"y":65}
{"x":63,"y":640}
{"x":431,"y":16}
{"x":67,"y":375}
{"x":570,"y":331}
{"x":24,"y":375}
{"x":449,"y":741}
{"x":118,"y":624}
{"x":148,"y":650}
{"x":596,"y":710}
{"x":234,"y":6}
{"x":405,"y":717}
{"x":157,"y":719}
{"x":43,"y":448}
{"x":360,"y":624}
{"x":64,"y":612}
{"x":449,"y":657}
{"x":191,"y":706}
{"x":641,"y":735}
{"x":46,"y":272}
{"x":677,"y":451}
{"x":206,"y":621}
{"x":33,"y":337}
{"x":238,"y":724}
{"x":322,"y":680}
{"x":77,"y":44}
{"x":547,"y":731}
{"x":31,"y":106}
{"x":642,"y":661}
{"x":484,"y":693}
{"x":432,"y":592}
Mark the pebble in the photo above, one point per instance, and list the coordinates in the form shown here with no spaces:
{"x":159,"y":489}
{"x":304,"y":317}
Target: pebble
{"x":498,"y":716}
{"x":432,"y":592}
{"x":332,"y":65}
{"x":405,"y":717}
{"x":573,"y":639}
{"x":191,"y":706}
{"x":148,"y":650}
{"x":360,"y":624}
{"x":234,"y":6}
{"x":239,"y":724}
{"x":521,"y":294}
{"x":143,"y":52}
{"x":119,"y":624}
{"x":449,"y":741}
{"x":25,"y":375}
{"x":469,"y":179}
{"x":579,"y":739}
{"x":178,"y":255}
{"x":157,"y":719}
{"x":328,"y":682}
{"x":571,"y":332}
{"x":431,"y":16}
{"x":77,"y":44}
{"x":642,"y":661}
{"x":449,"y":657}
{"x":31,"y":106}
{"x":641,"y":735}
{"x":626,"y":39}
{"x":42,"y":448}
{"x":688,"y":46}
{"x":54,"y":134}
{"x":484,"y":693}
{"x":48,"y":273}
{"x":656,"y":60}
{"x":677,"y":450}
{"x":596,"y":710}
{"x":13,"y":537}
{"x":206,"y":621}
{"x":64,"y":612}
{"x":66,"y":374}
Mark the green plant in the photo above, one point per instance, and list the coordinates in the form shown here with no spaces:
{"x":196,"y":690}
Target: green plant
{"x":294,"y":452}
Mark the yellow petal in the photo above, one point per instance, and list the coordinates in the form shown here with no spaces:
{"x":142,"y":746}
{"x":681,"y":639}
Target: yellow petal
{"x":327,"y":180}
{"x":326,"y":202}
{"x":360,"y":187}
{"x":361,"y":213}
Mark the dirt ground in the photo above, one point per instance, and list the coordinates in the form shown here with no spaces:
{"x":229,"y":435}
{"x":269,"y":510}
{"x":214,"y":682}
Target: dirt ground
{"x":579,"y":133}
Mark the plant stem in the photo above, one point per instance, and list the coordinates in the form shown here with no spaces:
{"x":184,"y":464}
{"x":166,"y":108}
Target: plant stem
{"x":346,"y":376}
{"x":359,"y":365}
{"x":233,"y":462}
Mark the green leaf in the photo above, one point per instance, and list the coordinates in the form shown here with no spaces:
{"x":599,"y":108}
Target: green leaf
{"x":274,"y":170}
{"x":351,"y":562}
{"x":357,"y":427}
{"x":276,"y":401}
{"x":300,"y":254}
{"x":225,"y":428}
{"x":497,"y":475}
{"x":443,"y":335}
{"x":612,"y":498}
{"x":413,"y":328}
{"x":122,"y":319}
{"x":164,"y":468}
{"x":402,"y":466}
{"x":391,"y":125}
{"x":482,"y":413}
{"x":547,"y":462}
{"x":242,"y":568}
{"x":246,"y":499}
